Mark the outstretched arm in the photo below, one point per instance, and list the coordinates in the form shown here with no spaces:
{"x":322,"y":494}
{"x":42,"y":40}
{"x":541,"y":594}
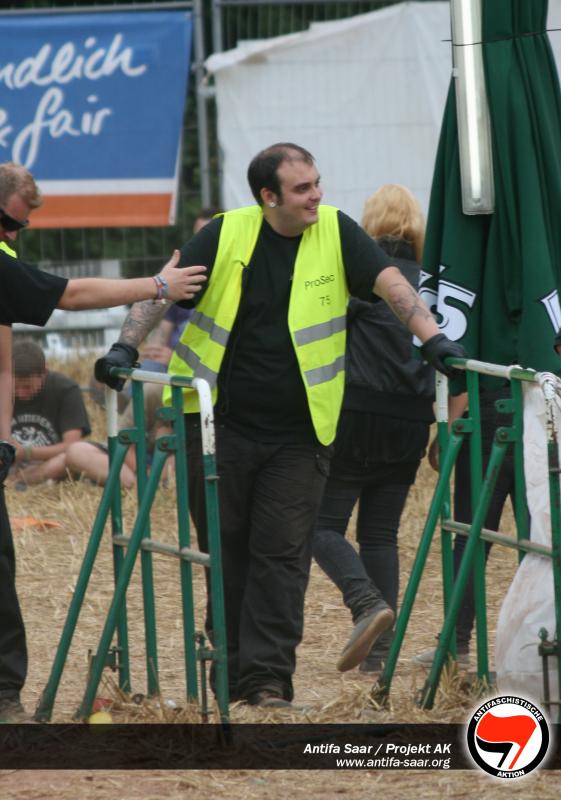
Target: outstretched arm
{"x":405,"y":303}
{"x":410,"y":309}
{"x":182,"y":284}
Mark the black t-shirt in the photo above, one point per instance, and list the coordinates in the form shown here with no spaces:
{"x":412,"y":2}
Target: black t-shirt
{"x":260,"y":389}
{"x":28,"y":294}
{"x":58,"y":407}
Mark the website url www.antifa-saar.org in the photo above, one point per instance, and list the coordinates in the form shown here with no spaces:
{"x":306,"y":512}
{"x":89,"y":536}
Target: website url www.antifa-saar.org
{"x":383,"y":755}
{"x":393,"y":762}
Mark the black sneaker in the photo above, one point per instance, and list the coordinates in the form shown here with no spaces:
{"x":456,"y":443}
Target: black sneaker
{"x":268,"y":698}
{"x":367,"y":629}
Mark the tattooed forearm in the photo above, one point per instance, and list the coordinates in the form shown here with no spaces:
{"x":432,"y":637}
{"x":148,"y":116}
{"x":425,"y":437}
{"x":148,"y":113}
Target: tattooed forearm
{"x":140,"y":320}
{"x":405,"y":303}
{"x":392,"y":286}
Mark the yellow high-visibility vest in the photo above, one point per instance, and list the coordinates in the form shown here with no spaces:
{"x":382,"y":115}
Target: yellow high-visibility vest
{"x":316,"y":314}
{"x":7,"y":249}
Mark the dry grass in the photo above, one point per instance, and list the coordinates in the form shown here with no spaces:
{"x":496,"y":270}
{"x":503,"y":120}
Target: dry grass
{"x":48,"y":563}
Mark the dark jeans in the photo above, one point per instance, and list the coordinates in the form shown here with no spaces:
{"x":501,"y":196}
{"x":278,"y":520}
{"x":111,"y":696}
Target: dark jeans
{"x":376,"y":461}
{"x":13,"y":650}
{"x":372,"y":577}
{"x":269,"y":495}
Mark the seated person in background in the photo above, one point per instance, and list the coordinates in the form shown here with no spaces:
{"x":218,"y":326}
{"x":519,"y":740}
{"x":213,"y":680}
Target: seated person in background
{"x":49,"y":414}
{"x":91,"y":459}
{"x":163,"y":340}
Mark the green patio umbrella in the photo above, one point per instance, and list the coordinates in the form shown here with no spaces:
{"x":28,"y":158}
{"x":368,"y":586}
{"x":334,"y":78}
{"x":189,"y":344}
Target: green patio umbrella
{"x":497,"y":276}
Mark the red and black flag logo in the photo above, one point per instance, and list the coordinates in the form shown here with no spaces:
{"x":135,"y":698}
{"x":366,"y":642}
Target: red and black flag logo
{"x":508,"y":736}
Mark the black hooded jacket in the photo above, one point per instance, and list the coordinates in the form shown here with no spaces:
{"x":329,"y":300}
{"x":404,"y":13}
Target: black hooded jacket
{"x":384,"y":375}
{"x":389,"y":391}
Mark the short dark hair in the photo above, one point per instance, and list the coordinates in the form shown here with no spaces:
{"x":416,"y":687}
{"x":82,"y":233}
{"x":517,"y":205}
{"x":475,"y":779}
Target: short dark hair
{"x":262,"y":171}
{"x":28,"y":358}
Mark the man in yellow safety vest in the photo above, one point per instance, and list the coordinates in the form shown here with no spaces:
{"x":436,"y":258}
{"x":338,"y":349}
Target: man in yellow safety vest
{"x":268,"y":334}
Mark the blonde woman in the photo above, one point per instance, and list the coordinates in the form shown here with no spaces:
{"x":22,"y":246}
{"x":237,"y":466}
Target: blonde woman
{"x":381,"y":438}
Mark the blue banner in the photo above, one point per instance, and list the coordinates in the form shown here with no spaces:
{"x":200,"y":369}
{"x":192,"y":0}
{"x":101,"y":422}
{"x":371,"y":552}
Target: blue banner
{"x":93,"y":105}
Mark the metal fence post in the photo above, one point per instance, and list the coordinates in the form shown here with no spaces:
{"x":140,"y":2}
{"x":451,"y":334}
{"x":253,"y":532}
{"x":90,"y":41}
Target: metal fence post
{"x":202,"y":110}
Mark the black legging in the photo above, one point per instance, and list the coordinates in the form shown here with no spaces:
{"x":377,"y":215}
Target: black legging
{"x":361,"y":580}
{"x":376,"y":461}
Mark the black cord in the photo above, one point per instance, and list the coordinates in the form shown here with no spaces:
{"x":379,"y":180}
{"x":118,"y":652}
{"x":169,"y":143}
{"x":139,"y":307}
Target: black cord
{"x":505,"y":38}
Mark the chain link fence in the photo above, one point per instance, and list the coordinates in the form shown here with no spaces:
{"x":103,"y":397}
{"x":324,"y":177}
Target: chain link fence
{"x":234,"y":20}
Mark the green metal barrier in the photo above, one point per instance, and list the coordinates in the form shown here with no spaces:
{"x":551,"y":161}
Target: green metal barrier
{"x":126,"y":549}
{"x":482,"y":487}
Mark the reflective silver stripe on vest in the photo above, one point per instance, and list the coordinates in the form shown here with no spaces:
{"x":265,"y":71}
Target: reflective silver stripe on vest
{"x":192,"y":360}
{"x":322,"y":330}
{"x":323,"y":374}
{"x":208,"y":325}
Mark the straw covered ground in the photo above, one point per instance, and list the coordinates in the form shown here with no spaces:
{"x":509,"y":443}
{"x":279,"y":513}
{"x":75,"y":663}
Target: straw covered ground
{"x":49,"y":559}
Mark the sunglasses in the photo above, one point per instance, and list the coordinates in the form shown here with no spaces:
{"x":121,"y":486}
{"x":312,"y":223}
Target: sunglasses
{"x":11,"y":224}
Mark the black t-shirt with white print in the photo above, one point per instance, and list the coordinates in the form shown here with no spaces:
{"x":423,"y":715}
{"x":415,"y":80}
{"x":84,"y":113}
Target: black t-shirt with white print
{"x":44,"y":419}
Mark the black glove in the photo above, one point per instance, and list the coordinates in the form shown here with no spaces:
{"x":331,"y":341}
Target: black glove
{"x":439,"y":347}
{"x":7,"y":458}
{"x":557,"y":340}
{"x":120,"y":355}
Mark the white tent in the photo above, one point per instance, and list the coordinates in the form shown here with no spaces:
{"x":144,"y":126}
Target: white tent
{"x":365,"y":95}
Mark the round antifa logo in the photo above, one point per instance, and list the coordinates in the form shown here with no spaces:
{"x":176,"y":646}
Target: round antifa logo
{"x":508,"y":736}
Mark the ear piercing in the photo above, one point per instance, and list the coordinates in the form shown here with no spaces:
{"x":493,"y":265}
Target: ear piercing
{"x":272,"y":205}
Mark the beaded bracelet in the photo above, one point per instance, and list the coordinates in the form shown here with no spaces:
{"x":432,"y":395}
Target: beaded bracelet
{"x":162,"y":287}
